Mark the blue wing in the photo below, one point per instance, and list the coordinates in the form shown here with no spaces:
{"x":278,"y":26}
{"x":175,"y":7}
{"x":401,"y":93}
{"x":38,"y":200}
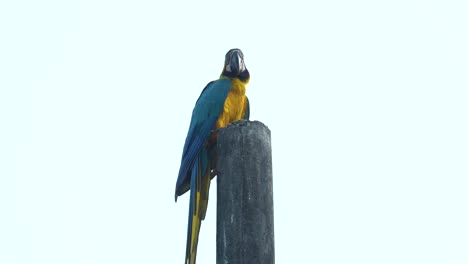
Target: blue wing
{"x":205,"y":113}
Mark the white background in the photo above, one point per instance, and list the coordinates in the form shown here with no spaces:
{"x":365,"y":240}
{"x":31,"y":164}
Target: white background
{"x":366,"y":101}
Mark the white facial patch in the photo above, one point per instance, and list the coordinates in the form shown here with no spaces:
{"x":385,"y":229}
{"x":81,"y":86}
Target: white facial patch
{"x":241,"y":63}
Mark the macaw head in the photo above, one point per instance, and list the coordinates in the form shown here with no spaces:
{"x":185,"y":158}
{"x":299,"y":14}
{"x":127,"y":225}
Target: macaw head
{"x":234,"y":66}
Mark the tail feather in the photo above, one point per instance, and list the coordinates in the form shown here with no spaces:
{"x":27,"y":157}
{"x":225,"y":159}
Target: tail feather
{"x":199,"y":187}
{"x":204,"y":192}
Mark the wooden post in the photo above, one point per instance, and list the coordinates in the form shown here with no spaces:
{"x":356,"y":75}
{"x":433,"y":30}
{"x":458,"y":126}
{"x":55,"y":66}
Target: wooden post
{"x":245,"y":231}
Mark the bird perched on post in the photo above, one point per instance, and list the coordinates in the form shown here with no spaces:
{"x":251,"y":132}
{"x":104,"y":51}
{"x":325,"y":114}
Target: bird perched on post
{"x":221,"y":102}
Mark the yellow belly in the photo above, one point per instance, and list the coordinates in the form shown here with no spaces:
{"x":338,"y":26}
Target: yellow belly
{"x":234,"y":106}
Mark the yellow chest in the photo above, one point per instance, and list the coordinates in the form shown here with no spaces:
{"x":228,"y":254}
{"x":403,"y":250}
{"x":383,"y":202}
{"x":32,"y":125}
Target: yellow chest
{"x":234,"y":106}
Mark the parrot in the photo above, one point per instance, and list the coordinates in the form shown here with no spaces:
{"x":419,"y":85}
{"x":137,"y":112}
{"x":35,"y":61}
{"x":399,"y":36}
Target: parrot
{"x":221,"y":102}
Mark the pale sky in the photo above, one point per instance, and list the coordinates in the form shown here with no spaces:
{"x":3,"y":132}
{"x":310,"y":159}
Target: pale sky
{"x":367,"y":102}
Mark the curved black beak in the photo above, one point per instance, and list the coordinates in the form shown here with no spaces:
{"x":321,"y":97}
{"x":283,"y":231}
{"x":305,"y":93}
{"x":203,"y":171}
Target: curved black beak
{"x":234,"y":62}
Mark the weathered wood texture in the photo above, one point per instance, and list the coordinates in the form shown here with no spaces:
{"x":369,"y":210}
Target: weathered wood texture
{"x":245,"y":230}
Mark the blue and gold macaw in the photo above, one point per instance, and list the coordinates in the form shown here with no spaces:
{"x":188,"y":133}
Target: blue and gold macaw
{"x":221,"y":102}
